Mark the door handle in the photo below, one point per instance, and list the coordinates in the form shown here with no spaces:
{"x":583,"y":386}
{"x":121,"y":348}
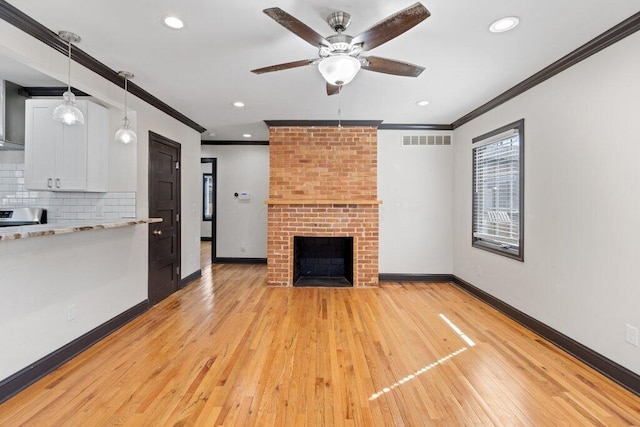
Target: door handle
{"x":57,"y":182}
{"x":49,"y":182}
{"x":157,"y":232}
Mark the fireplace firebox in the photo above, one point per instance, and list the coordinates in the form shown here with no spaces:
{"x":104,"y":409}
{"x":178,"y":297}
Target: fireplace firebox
{"x":323,"y":261}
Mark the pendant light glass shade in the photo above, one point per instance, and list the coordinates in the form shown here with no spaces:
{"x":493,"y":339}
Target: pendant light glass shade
{"x":339,"y":70}
{"x":125,"y":134}
{"x":68,"y":112}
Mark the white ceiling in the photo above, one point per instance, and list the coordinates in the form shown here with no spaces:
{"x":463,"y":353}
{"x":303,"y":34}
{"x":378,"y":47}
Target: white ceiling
{"x":203,"y":68}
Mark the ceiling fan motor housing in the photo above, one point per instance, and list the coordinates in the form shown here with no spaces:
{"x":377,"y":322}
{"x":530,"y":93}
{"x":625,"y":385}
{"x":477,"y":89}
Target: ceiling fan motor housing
{"x":339,"y":21}
{"x":340,"y":44}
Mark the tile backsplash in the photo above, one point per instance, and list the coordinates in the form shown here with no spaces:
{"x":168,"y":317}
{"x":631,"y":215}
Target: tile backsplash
{"x":64,"y":207}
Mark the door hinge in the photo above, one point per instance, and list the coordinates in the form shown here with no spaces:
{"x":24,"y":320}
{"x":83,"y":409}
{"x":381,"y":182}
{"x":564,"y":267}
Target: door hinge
{"x":177,"y":165}
{"x":177,"y":217}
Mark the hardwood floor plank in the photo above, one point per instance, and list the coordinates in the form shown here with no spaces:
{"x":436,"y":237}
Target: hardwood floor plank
{"x":230,"y":350}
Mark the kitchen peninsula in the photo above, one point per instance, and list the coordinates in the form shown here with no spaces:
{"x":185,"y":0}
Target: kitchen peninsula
{"x":64,"y":287}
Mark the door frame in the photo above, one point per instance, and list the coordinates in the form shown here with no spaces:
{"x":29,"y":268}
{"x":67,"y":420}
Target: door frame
{"x":214,"y":221}
{"x":173,"y":144}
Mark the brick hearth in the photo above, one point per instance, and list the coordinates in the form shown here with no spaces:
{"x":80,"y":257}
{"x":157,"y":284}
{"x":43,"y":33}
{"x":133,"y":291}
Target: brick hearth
{"x":323,"y":182}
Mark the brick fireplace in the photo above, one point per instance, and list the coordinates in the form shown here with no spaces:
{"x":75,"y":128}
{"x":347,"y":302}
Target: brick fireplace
{"x":322,"y":183}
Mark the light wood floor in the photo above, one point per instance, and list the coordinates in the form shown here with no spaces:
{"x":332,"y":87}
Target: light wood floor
{"x":229,"y":350}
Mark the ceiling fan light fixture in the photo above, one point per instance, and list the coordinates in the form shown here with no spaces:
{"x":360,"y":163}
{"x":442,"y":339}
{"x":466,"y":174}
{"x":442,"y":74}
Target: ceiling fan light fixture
{"x":68,"y":112}
{"x":339,"y":70}
{"x":504,"y":24}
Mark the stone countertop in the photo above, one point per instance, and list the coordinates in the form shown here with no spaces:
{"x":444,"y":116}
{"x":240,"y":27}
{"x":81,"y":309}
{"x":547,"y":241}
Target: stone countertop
{"x":25,"y":232}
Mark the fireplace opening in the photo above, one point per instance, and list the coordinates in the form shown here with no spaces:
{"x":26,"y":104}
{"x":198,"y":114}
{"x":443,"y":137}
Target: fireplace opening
{"x":323,"y":261}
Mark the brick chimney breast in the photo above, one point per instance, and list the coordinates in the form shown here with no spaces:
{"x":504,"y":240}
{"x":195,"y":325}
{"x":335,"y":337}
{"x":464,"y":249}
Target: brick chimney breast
{"x":323,"y":183}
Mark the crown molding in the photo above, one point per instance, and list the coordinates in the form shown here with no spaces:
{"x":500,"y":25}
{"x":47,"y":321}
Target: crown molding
{"x":323,"y":123}
{"x":604,"y":40}
{"x":24,"y":22}
{"x":242,"y":142}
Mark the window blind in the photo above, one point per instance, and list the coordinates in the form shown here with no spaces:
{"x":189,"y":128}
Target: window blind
{"x":496,"y":192}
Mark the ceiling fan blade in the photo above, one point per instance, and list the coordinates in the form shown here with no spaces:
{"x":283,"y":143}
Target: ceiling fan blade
{"x":284,"y":66}
{"x":332,"y":89}
{"x":296,"y":26}
{"x":392,"y":26}
{"x":390,"y":66}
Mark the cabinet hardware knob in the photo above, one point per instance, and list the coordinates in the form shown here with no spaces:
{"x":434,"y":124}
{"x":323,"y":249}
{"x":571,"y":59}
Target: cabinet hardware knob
{"x":157,"y":232}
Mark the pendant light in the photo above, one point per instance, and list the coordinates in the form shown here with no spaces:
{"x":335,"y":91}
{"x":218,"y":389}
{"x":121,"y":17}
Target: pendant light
{"x":68,"y":112}
{"x":125,"y":134}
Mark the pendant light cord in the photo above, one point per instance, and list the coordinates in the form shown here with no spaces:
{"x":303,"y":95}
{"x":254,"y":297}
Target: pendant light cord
{"x":69,"y":68}
{"x":125,"y":97}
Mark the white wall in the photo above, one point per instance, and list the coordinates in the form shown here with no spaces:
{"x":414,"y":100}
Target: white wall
{"x":105,"y":271}
{"x":414,"y":184}
{"x":241,"y":223}
{"x":26,"y":49}
{"x":582,"y":210}
{"x":98,"y":272}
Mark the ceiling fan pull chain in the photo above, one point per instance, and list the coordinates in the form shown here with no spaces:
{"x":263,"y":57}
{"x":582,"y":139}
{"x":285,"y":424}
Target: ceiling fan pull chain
{"x":339,"y":108}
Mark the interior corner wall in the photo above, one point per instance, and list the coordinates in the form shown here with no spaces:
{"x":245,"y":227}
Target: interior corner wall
{"x":240,"y":223}
{"x":122,"y":253}
{"x":580,"y":270}
{"x":414,"y":185}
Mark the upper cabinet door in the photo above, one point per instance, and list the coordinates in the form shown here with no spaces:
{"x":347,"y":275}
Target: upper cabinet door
{"x":41,"y":134}
{"x":71,"y":155}
{"x":66,"y":158}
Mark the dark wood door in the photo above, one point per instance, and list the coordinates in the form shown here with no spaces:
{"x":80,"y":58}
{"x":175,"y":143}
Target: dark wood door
{"x":164,"y":202}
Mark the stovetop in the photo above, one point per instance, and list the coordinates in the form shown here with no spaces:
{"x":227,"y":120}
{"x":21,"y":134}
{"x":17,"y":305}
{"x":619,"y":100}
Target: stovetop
{"x":11,"y":217}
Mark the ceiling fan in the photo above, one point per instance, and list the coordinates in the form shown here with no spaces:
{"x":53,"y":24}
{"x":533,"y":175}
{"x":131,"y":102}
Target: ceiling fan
{"x":339,"y":54}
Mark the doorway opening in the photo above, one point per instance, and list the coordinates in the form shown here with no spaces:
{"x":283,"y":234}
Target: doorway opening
{"x":208,"y":167}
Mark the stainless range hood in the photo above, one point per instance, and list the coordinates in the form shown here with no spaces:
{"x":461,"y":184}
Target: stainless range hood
{"x":12,"y":115}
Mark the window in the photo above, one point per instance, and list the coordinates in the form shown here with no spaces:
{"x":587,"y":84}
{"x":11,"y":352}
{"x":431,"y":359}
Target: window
{"x":207,"y":197}
{"x":498,"y":191}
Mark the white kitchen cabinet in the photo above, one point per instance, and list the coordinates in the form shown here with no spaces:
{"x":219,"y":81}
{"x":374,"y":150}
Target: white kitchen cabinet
{"x":66,"y":158}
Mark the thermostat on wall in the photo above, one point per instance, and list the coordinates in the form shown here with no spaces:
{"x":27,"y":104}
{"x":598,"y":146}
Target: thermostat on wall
{"x":244,"y":195}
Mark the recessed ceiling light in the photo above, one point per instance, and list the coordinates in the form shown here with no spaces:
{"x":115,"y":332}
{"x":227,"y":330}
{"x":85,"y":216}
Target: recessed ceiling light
{"x":173,"y":22}
{"x":422,"y":103}
{"x":504,"y":24}
{"x":238,"y":104}
{"x":212,"y":134}
{"x":246,"y":135}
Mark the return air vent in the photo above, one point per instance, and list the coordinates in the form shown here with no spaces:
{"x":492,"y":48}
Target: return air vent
{"x":412,"y":140}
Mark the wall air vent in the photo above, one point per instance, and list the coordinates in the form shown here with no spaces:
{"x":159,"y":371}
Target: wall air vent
{"x":425,"y":140}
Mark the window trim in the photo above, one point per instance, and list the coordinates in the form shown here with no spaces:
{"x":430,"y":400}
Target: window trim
{"x":478,"y":142}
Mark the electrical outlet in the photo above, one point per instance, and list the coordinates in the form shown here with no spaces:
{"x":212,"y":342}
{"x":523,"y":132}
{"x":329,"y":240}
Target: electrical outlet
{"x":71,"y":312}
{"x":242,"y":247}
{"x":631,"y":335}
